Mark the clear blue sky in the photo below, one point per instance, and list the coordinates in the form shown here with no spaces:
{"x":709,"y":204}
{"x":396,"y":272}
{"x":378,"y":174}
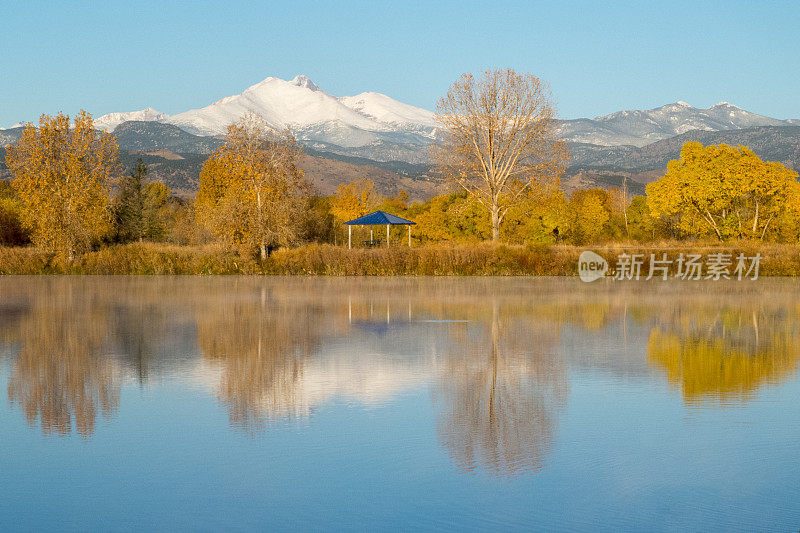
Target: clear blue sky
{"x":599,"y":57}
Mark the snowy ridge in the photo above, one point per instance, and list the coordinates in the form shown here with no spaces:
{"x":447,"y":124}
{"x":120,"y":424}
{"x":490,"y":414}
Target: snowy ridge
{"x":388,"y":111}
{"x":315,"y":116}
{"x":298,"y":103}
{"x":642,"y":127}
{"x":374,"y":126}
{"x":110,"y":121}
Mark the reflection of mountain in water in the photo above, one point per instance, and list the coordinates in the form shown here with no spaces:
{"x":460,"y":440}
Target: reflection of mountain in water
{"x":291,"y":350}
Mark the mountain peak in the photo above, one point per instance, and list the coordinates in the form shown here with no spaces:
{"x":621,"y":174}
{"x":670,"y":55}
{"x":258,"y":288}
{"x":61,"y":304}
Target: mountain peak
{"x":303,"y":81}
{"x":110,"y":121}
{"x":724,"y":104}
{"x":682,"y":103}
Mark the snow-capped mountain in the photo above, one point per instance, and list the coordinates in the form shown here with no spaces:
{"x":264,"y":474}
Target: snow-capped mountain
{"x":388,"y":111}
{"x":370,"y":124}
{"x":110,"y":121}
{"x":374,"y":126}
{"x":642,"y":127}
{"x":314,"y":115}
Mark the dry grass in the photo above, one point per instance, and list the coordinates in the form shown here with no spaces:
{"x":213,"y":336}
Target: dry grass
{"x":483,"y":259}
{"x":137,"y":258}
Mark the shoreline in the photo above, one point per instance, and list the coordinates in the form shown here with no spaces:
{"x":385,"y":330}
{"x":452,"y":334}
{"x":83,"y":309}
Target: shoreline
{"x":479,"y":259}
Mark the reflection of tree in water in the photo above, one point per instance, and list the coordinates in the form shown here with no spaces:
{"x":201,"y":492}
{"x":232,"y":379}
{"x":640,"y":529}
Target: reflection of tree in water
{"x":60,"y":376}
{"x":727,"y":353}
{"x":261,"y":344}
{"x":501,"y":393}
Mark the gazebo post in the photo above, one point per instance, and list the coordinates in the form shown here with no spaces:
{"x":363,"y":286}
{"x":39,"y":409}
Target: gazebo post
{"x":409,"y":235}
{"x":349,"y":237}
{"x":387,"y":235}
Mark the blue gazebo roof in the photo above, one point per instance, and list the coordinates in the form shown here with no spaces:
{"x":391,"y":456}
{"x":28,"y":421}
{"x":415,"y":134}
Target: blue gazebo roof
{"x":379,"y":218}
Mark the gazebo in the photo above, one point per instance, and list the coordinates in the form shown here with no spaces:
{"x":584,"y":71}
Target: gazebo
{"x":378,"y":218}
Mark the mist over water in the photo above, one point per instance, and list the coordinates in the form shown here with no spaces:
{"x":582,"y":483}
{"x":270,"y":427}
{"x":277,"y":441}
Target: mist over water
{"x":242,"y":402}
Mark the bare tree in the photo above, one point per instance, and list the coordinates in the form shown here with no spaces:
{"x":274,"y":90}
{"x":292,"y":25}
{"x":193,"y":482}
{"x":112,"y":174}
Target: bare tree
{"x":499,"y":138}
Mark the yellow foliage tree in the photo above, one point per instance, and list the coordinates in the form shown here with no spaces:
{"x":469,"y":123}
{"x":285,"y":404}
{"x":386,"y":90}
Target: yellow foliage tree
{"x":61,"y":176}
{"x":590,"y":214}
{"x":723,"y":191}
{"x":251,"y":190}
{"x":354,"y":199}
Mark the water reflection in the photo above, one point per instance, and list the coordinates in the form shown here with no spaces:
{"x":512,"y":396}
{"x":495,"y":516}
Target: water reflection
{"x":726,"y":353}
{"x":500,"y":390}
{"x":261,"y":343}
{"x":60,"y":377}
{"x":496,"y":356}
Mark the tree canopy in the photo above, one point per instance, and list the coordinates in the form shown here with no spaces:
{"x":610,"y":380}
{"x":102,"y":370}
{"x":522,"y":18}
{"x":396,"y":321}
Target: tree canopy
{"x":61,"y":176}
{"x":723,"y":191}
{"x":251,"y":190}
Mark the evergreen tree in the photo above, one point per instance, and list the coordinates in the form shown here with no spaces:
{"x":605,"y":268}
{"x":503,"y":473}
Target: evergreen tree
{"x":130,"y":209}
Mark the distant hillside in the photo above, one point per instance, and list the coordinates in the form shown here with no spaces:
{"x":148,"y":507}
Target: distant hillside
{"x":181,"y":172}
{"x":9,"y":136}
{"x":772,"y":143}
{"x":150,"y":136}
{"x":176,"y":156}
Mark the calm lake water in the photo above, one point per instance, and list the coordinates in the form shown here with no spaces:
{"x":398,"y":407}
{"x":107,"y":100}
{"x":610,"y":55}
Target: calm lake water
{"x":292,"y":403}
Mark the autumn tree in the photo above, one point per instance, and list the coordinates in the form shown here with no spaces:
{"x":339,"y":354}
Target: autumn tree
{"x":11,"y":229}
{"x":641,"y":224}
{"x":455,"y":217}
{"x":251,"y":191}
{"x":591,"y":213}
{"x":61,"y":176}
{"x":540,"y":216}
{"x":499,"y":139}
{"x":355,"y":199}
{"x":723,"y":191}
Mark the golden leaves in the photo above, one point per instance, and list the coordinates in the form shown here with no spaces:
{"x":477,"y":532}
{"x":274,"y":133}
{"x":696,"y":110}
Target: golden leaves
{"x":251,"y":191}
{"x":354,"y":199}
{"x":724,"y":191}
{"x":61,"y":177}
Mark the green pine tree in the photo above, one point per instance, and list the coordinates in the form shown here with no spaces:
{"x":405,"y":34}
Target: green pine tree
{"x":130,"y":208}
